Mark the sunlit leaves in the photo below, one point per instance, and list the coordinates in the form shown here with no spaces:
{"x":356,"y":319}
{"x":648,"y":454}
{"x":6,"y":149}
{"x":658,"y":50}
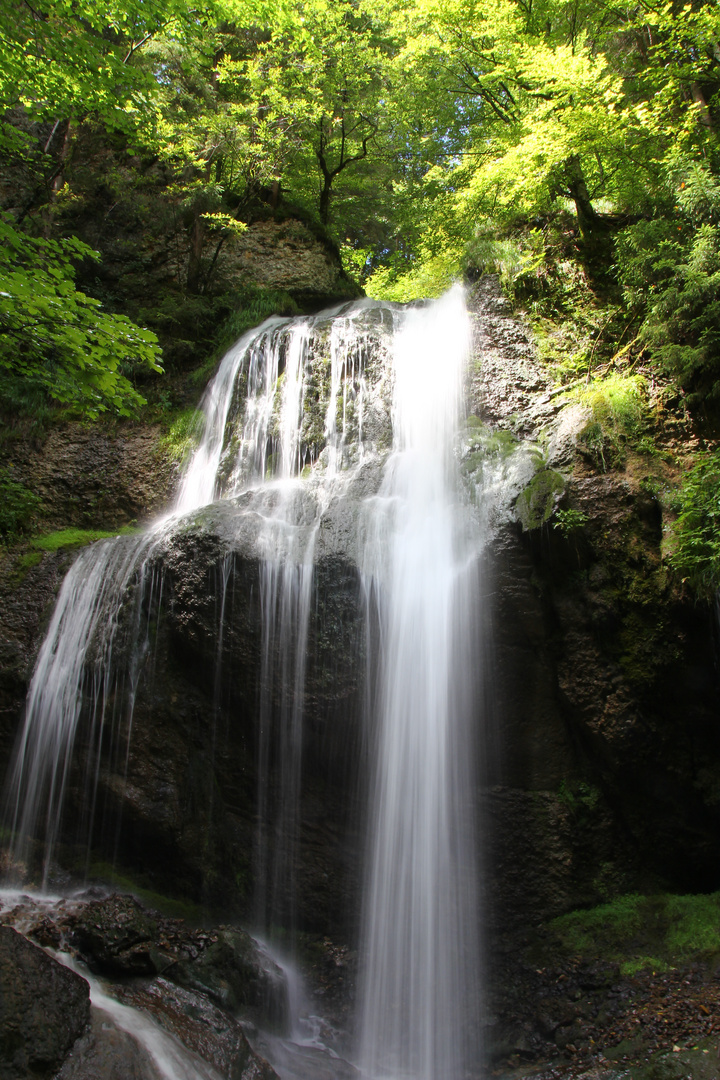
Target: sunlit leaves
{"x":58,"y":338}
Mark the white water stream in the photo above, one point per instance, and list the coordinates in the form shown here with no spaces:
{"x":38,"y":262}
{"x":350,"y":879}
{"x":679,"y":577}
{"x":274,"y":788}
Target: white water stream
{"x":419,"y":917}
{"x":417,"y":564}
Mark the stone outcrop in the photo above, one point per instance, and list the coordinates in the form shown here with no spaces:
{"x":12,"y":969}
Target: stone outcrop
{"x":287,"y":255}
{"x":97,"y":477}
{"x":46,"y":1019}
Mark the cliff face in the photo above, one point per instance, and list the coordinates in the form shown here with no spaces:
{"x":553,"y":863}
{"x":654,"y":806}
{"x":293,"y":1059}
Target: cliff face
{"x":605,"y":675}
{"x":598,"y":735}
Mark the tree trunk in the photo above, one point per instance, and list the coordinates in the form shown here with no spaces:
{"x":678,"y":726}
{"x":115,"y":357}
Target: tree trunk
{"x":325,"y":199}
{"x":589,"y":221}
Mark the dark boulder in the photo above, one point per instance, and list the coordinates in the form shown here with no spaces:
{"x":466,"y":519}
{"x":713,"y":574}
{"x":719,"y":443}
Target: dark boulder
{"x":44,"y":1008}
{"x":118,"y":936}
{"x":235,"y":972}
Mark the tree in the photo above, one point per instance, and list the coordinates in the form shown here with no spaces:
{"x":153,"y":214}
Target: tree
{"x":61,"y":62}
{"x":320,"y":82}
{"x":57,"y":338}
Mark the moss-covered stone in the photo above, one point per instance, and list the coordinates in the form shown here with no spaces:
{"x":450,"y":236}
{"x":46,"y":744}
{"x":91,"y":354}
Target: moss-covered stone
{"x":536,"y":504}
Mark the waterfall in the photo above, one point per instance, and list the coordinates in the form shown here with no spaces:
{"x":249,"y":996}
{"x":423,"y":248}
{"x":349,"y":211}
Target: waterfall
{"x":77,"y":656}
{"x":261,"y":430}
{"x":364,"y":403}
{"x":418,"y":939}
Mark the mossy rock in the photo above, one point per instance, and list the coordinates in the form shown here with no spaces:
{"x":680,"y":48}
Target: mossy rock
{"x":536,"y":504}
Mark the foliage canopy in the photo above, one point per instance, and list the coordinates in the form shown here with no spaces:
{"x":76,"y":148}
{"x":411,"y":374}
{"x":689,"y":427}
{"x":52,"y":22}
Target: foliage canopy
{"x":420,"y":133}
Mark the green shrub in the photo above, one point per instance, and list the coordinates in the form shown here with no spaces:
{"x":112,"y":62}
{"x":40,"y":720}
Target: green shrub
{"x":183,"y":435}
{"x":517,"y":261}
{"x":618,"y":406}
{"x":569,"y":521}
{"x":670,"y":273}
{"x":254,"y":305}
{"x":696,"y":531}
{"x":18,"y":506}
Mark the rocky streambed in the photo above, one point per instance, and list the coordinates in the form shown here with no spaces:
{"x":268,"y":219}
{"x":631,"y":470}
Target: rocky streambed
{"x":96,"y":984}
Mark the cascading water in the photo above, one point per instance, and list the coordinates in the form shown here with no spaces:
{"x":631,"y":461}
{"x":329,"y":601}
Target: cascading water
{"x":419,"y":942}
{"x":296,"y":414}
{"x":254,"y":437}
{"x":77,"y":653}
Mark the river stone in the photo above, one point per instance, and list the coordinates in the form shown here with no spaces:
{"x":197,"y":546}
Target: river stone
{"x":44,"y":1008}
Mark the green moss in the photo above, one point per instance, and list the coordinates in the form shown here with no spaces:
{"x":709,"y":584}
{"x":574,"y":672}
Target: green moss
{"x":639,"y":932}
{"x":174,"y":908}
{"x":23,"y":564}
{"x":600,"y":930}
{"x":537,"y":502}
{"x":619,"y":414}
{"x":694,"y":924}
{"x":643,"y":963}
{"x":75,"y":538}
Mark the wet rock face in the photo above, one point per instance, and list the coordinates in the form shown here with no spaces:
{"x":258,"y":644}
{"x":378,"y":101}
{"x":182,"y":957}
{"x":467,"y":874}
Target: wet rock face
{"x":209,"y":1032}
{"x":178,"y":793}
{"x":44,"y":1008}
{"x":26,"y":601}
{"x":606,"y":691}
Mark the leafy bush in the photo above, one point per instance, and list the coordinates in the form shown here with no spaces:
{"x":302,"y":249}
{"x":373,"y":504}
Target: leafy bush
{"x":55,"y":337}
{"x":569,"y":521}
{"x":697,"y":529}
{"x":619,"y":411}
{"x":428,"y":278}
{"x":18,"y":506}
{"x":516,"y":261}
